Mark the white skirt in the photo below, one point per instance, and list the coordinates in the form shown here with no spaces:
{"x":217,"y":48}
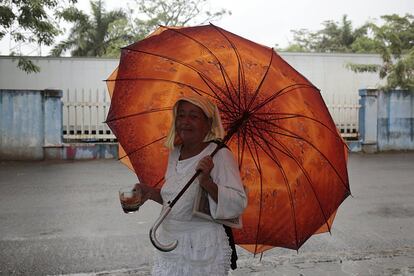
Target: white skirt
{"x":203,"y":249}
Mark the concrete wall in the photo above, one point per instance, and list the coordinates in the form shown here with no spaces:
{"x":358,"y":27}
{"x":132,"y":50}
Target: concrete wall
{"x":386,"y":120}
{"x":30,"y":121}
{"x":26,"y":135}
{"x":82,"y":79}
{"x":326,"y":71}
{"x":58,"y":73}
{"x":31,"y":129}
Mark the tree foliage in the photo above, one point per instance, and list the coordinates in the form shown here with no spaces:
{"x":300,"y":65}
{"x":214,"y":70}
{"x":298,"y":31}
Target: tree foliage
{"x":154,"y":13}
{"x":91,"y":35}
{"x":105,"y":33}
{"x":393,"y":40}
{"x":29,"y":22}
{"x":334,"y":37}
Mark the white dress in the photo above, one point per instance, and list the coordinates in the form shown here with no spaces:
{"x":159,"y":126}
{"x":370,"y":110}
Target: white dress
{"x":203,"y":247}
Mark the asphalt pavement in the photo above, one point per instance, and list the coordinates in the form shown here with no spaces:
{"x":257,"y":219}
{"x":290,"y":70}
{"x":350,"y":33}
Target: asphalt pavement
{"x":64,"y":218}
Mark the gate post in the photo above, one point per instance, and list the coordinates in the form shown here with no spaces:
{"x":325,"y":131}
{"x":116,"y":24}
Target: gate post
{"x":368,"y":120}
{"x":52,"y":115}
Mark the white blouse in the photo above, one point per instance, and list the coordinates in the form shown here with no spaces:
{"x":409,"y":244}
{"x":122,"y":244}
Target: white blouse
{"x":203,"y":247}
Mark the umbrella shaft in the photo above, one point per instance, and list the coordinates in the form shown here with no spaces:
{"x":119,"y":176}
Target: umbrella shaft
{"x":172,"y":203}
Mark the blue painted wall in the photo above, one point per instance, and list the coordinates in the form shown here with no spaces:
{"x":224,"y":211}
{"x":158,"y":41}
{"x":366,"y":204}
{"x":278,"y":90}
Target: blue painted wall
{"x":30,"y":120}
{"x":395,"y":120}
{"x":386,"y":120}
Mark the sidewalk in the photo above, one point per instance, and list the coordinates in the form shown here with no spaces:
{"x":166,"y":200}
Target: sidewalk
{"x":64,"y":218}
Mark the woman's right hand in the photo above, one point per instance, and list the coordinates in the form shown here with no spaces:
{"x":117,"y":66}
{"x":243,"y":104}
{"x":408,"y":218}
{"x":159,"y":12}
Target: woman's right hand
{"x":148,"y":192}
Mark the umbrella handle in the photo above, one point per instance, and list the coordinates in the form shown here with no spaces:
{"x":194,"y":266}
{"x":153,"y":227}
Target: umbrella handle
{"x":153,"y":236}
{"x":167,"y":209}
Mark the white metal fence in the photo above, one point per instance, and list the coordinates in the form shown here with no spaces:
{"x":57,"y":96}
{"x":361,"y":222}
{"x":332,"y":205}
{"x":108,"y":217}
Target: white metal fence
{"x":84,"y":113}
{"x":85,"y":110}
{"x":344,"y":110}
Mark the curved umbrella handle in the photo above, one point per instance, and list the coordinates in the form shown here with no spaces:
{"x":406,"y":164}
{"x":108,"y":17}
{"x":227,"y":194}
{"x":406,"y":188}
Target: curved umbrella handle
{"x":153,"y":236}
{"x":167,"y":209}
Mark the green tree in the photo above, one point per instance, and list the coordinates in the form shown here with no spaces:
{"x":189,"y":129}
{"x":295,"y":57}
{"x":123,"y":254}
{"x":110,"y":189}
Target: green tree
{"x":303,"y":40}
{"x":92,"y":36}
{"x":29,"y":22}
{"x":146,"y":15}
{"x":120,"y":34}
{"x":172,"y":13}
{"x":394,"y":41}
{"x":334,"y":37}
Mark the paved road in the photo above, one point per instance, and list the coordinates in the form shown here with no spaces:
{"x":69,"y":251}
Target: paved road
{"x":64,"y":218}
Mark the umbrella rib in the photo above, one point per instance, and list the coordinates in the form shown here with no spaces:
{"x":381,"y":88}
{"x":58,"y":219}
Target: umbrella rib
{"x":203,"y":76}
{"x":222,"y":102}
{"x":138,"y":114}
{"x":240,"y":151}
{"x":268,"y":144}
{"x":281,"y":92}
{"x":228,"y":122}
{"x":276,"y":132}
{"x":259,"y":169}
{"x":223,"y":71}
{"x":257,"y":128}
{"x":257,"y":165}
{"x":296,"y":136}
{"x":140,"y":148}
{"x":240,"y":71}
{"x":309,"y":181}
{"x":307,"y":176}
{"x":273,"y":156}
{"x":293,"y":116}
{"x":195,"y":89}
{"x":229,"y":119}
{"x":261,"y":82}
{"x":311,"y":185}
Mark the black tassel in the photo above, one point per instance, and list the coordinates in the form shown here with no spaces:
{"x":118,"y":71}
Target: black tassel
{"x":234,"y":257}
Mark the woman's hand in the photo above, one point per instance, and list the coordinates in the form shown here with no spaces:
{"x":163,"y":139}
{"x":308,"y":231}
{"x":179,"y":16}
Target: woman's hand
{"x":205,"y":166}
{"x":148,"y":192}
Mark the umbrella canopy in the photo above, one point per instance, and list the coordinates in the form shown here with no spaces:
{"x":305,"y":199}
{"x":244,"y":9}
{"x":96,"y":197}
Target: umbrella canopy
{"x":291,"y":157}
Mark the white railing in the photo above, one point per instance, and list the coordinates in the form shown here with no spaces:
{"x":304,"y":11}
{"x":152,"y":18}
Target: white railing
{"x":344,"y":111}
{"x":85,"y":110}
{"x":84,"y":113}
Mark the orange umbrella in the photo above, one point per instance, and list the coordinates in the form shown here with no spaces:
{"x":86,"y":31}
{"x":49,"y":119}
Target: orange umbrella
{"x":291,"y":157}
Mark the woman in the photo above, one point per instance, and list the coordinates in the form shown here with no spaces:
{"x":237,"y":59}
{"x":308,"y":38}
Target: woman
{"x":203,"y":246}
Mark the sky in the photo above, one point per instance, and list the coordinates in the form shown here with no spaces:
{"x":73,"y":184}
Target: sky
{"x":269,"y":22}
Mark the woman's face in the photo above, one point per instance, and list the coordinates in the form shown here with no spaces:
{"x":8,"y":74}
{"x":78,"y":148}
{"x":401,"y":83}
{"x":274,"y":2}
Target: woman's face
{"x":191,"y":124}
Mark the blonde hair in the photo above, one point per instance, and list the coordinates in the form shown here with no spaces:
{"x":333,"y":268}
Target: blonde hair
{"x":209,"y":109}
